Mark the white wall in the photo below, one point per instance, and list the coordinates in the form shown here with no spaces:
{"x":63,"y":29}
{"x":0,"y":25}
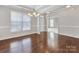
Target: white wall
{"x":68,"y":21}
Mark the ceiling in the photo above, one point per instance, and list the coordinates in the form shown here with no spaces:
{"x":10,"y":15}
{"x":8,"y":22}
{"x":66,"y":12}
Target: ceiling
{"x":42,"y":8}
{"x":38,"y":8}
{"x":32,"y":6}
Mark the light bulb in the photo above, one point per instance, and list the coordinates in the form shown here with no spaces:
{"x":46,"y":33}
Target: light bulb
{"x":68,"y":6}
{"x":38,"y":14}
{"x":29,"y":14}
{"x":34,"y":13}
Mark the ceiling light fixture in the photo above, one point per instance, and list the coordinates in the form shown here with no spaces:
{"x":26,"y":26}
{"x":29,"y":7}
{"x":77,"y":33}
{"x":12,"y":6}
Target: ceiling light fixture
{"x":29,"y":14}
{"x":34,"y":13}
{"x":68,"y":6}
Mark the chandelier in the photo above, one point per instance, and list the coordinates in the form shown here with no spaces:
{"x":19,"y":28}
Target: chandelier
{"x":34,"y":13}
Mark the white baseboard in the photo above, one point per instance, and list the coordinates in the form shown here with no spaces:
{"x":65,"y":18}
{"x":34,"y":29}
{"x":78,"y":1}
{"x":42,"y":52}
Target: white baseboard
{"x":16,"y":35}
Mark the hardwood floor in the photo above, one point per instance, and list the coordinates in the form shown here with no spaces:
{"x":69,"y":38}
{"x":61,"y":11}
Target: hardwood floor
{"x":38,"y":43}
{"x":25,"y":44}
{"x":16,"y":45}
{"x":68,"y":44}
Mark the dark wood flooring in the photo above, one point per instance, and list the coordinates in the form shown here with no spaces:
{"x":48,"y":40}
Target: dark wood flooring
{"x":38,"y":43}
{"x":68,"y":44}
{"x":26,"y":44}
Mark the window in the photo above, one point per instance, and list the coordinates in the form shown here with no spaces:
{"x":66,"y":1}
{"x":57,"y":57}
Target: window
{"x":19,"y":22}
{"x":26,"y":22}
{"x":51,"y":23}
{"x":16,"y":19}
